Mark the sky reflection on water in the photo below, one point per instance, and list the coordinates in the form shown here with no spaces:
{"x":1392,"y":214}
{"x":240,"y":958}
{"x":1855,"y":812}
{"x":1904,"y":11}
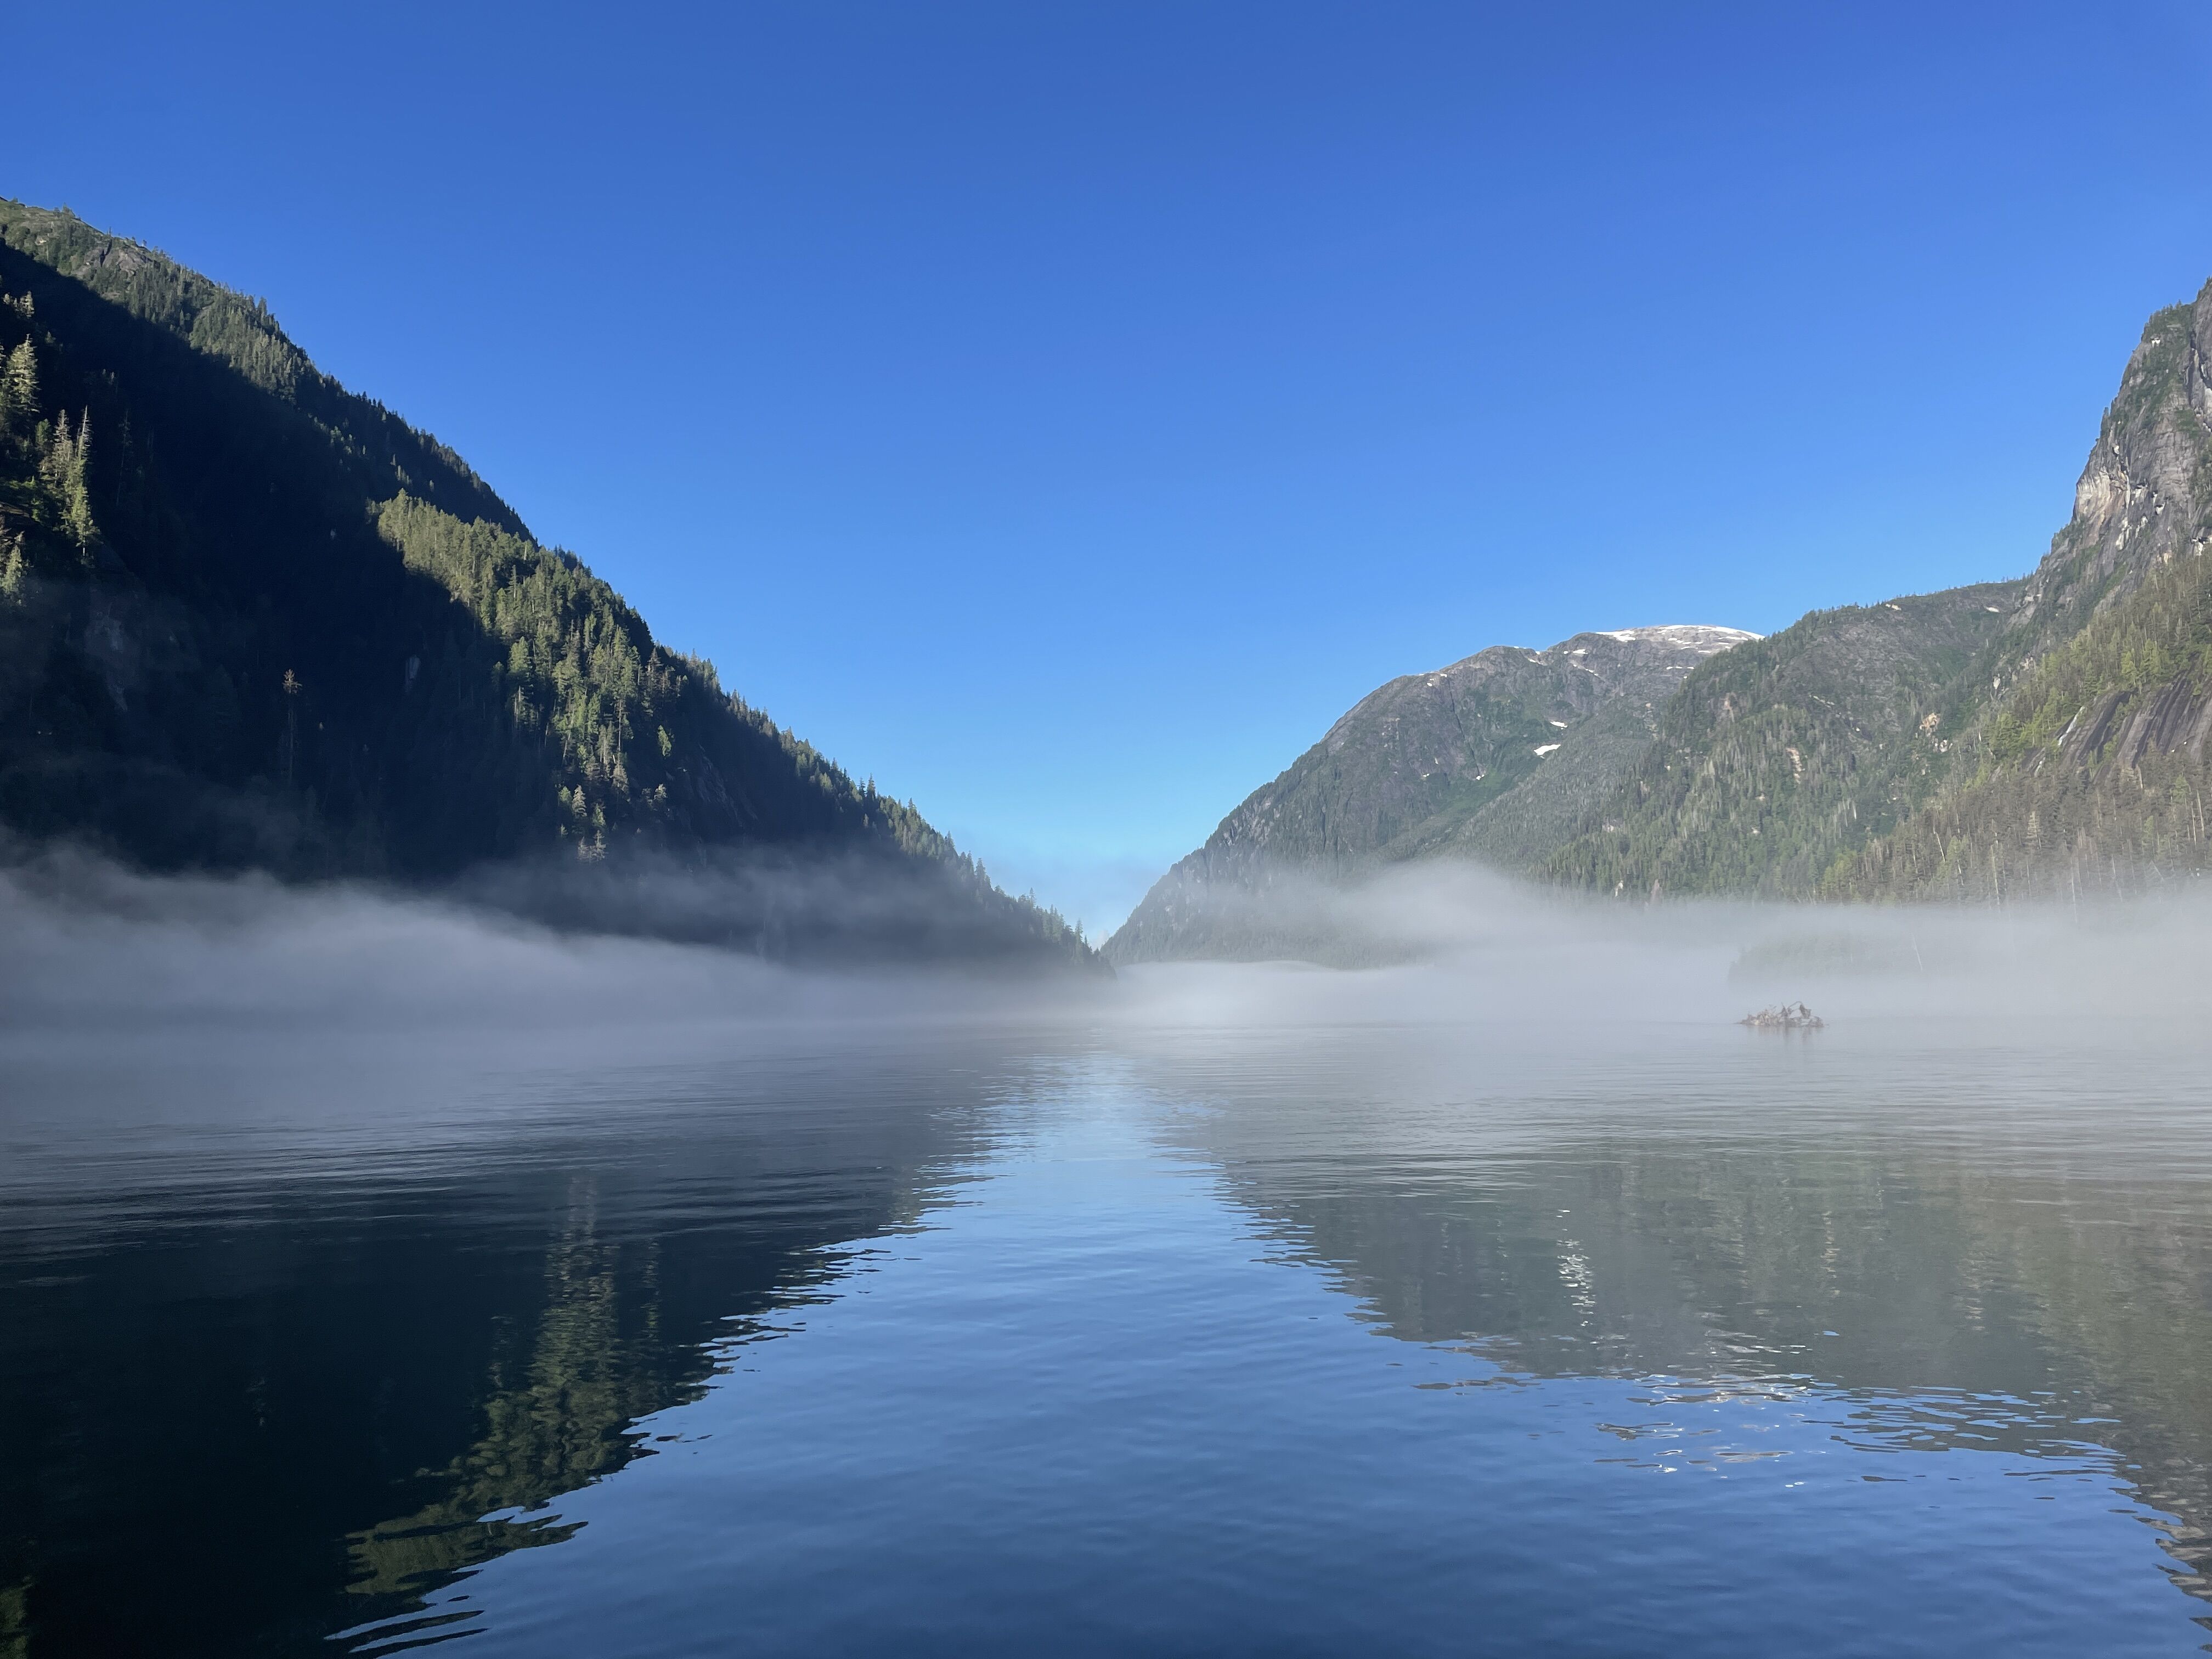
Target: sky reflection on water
{"x":1336,"y":1340}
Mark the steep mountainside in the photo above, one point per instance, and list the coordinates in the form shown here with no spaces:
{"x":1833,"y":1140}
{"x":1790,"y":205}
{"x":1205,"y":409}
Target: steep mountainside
{"x":2037,"y":736}
{"x":1774,"y":758}
{"x":2059,"y":745}
{"x":249,"y":619}
{"x":2091,"y":770}
{"x":1497,"y":756}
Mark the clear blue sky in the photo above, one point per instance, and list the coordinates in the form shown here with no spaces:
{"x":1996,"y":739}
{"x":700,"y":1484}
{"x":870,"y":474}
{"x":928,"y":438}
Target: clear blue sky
{"x":1061,"y":412}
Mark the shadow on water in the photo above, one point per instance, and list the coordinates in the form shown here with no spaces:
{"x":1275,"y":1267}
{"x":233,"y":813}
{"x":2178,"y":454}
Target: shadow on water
{"x":259,"y":1388}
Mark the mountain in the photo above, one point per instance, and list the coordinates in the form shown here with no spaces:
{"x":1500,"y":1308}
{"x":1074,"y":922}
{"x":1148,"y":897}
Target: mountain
{"x":1775,"y":758}
{"x":249,"y":619}
{"x":1498,"y":756}
{"x":2033,"y":736}
{"x":2091,"y":768}
{"x":2041,"y":736}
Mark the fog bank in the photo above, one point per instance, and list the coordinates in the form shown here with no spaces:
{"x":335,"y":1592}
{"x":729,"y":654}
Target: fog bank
{"x":93,"y":947}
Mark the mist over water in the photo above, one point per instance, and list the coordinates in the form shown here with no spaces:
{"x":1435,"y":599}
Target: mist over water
{"x":381,"y":1266}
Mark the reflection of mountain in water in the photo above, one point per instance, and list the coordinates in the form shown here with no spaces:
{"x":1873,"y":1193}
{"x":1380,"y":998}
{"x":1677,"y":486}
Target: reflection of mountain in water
{"x":226,"y":1413}
{"x":560,"y":1406}
{"x":1987,"y":1303}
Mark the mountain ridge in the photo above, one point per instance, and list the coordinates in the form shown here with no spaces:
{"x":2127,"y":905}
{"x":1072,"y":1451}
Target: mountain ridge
{"x":1426,"y":765}
{"x":2046,"y":734}
{"x":249,"y":619}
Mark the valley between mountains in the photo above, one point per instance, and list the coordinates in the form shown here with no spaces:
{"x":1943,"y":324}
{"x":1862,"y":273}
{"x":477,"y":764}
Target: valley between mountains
{"x":251,"y":620}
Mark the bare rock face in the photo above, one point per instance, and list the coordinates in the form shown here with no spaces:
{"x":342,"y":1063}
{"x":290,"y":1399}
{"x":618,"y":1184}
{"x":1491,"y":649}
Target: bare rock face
{"x":2145,"y":496}
{"x":1427,"y":765}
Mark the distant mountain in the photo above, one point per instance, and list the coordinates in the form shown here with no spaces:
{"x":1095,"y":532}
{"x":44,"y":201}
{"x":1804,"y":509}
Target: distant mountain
{"x":1776,"y":758}
{"x":1498,"y":756}
{"x":2041,"y":736}
{"x":249,"y":619}
{"x":2033,"y":737}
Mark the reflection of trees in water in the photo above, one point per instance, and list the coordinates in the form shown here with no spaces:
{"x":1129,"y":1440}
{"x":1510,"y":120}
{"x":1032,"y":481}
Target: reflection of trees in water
{"x":556,"y":1420}
{"x":351,"y":1376}
{"x":14,"y":1624}
{"x":1918,"y":1282}
{"x":610,"y":1346}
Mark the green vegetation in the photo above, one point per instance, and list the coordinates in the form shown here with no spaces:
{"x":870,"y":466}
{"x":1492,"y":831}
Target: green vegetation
{"x":1778,"y":756}
{"x":2160,"y":636}
{"x":2039,"y":736}
{"x":1496,"y":757}
{"x":2093,"y":777}
{"x":249,"y":619}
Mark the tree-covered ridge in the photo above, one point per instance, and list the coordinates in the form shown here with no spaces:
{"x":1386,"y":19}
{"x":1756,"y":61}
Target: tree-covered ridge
{"x":1493,"y":757}
{"x":149,"y":285}
{"x":631,"y":725}
{"x":233,"y":636}
{"x":2094,"y":776}
{"x":2082,"y":698}
{"x":1973,"y":744}
{"x":241,"y":333}
{"x":1779,"y":757}
{"x":2088,"y":741}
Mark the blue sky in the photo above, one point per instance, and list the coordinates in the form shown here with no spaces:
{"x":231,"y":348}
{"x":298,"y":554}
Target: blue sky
{"x":1062,"y":413}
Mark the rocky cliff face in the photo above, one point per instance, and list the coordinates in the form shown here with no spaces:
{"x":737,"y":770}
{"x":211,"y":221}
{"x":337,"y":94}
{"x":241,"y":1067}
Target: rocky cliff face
{"x":2090,"y":724}
{"x":1494,"y":757}
{"x":2145,"y":496}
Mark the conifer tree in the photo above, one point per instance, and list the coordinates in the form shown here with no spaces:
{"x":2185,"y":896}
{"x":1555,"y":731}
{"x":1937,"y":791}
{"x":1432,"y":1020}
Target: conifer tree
{"x":77,"y":495}
{"x":19,"y":391}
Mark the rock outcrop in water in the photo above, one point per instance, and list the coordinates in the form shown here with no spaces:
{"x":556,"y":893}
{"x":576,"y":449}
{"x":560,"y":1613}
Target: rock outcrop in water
{"x":1787,"y":1016}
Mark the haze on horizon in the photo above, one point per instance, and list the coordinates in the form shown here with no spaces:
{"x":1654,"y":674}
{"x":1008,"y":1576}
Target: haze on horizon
{"x":1065,"y":418}
{"x":102,"y":958}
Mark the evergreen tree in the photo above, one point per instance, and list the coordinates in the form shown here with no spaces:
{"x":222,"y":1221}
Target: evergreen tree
{"x":19,"y":392}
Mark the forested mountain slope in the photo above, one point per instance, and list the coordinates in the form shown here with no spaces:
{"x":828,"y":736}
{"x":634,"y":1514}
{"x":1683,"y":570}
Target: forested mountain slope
{"x":2046,"y":735}
{"x":249,"y":619}
{"x":2090,"y":767}
{"x":1497,"y":756}
{"x":2037,"y":736}
{"x":1776,"y":758}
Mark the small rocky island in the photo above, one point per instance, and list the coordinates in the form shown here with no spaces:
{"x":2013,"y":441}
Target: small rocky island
{"x":1788,"y":1017}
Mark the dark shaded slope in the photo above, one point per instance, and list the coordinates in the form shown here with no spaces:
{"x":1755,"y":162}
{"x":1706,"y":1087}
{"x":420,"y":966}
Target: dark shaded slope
{"x":249,"y":619}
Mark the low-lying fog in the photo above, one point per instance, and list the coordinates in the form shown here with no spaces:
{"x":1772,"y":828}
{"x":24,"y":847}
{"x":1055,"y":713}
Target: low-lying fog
{"x":354,"y":1147}
{"x":94,"y":948}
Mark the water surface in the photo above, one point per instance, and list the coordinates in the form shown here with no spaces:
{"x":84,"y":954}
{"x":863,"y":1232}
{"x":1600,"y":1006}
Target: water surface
{"x":1415,"y":1338}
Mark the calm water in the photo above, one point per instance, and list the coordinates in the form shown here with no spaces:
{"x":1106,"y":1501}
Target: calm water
{"x":1681,"y":1341}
